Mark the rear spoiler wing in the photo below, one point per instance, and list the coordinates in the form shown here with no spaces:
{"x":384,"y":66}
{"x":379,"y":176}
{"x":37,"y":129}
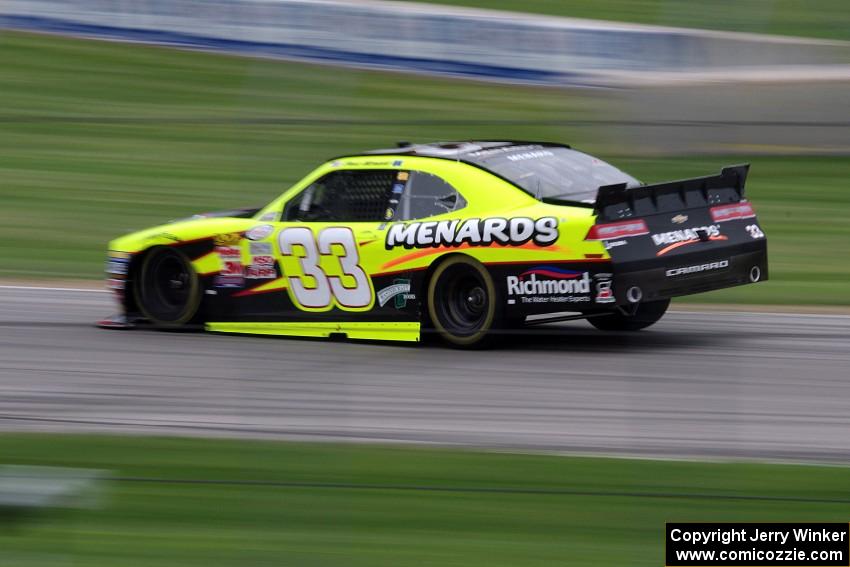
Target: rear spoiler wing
{"x":614,"y":202}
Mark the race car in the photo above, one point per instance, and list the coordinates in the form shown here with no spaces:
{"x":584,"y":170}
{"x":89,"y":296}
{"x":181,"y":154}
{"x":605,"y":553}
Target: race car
{"x":464,"y":238}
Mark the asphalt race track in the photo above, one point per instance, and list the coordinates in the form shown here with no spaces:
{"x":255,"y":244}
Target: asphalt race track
{"x":709,"y":385}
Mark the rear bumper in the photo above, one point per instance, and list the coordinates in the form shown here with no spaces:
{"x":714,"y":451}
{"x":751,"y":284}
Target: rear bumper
{"x":693,"y":273}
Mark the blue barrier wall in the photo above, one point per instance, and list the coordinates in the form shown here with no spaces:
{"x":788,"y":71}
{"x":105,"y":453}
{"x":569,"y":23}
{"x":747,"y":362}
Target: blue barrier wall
{"x":415,"y":37}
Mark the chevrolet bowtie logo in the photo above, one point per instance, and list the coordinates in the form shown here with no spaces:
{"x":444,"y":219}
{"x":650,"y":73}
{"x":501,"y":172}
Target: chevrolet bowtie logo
{"x":679,"y":219}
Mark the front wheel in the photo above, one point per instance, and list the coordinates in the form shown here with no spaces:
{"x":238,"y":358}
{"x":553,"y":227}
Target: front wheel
{"x":462,"y":302}
{"x":645,"y":315}
{"x":168,"y":291}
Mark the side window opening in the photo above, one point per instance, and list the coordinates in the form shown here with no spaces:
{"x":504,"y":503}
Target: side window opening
{"x":426,"y":195}
{"x":344,"y":196}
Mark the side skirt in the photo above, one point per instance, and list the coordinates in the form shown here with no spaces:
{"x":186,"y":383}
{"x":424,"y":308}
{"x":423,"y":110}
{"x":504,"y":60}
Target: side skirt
{"x":408,"y":332}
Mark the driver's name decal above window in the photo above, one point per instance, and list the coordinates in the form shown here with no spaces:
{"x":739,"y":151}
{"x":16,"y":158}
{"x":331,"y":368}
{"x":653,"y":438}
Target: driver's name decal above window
{"x":474,"y":232}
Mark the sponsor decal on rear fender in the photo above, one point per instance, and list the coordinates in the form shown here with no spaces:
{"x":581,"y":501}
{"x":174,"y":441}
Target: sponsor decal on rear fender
{"x":603,"y":284}
{"x":549,"y":284}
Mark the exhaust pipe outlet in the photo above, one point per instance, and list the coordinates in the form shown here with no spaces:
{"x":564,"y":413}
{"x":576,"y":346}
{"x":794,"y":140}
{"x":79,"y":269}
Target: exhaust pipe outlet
{"x":755,"y":274}
{"x":634,"y":294}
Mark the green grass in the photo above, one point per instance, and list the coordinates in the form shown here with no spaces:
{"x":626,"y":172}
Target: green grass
{"x":98,"y":139}
{"x":374,"y":506}
{"x":67,"y":187}
{"x":827,"y":19}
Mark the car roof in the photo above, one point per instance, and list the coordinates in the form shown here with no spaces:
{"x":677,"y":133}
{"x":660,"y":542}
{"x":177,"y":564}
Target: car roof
{"x":470,"y":152}
{"x":466,"y":150}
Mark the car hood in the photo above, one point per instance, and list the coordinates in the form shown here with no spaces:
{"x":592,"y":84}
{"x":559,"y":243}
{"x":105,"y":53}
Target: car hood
{"x":244,"y":213}
{"x":181,"y":231}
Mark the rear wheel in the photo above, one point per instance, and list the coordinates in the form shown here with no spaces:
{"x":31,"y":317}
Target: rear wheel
{"x":645,"y":315}
{"x":462,"y":302}
{"x":168,"y":291}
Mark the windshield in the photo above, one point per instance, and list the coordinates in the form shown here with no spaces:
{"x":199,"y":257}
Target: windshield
{"x":551,"y":172}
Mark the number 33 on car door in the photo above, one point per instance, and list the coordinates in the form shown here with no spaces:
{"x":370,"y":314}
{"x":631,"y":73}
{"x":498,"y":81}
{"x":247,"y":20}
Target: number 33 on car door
{"x":323,"y":271}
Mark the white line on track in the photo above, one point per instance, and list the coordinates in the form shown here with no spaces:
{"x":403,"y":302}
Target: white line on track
{"x":40,"y":288}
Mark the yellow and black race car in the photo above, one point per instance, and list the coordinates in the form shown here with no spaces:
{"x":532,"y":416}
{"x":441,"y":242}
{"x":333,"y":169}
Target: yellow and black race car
{"x":467,"y":238}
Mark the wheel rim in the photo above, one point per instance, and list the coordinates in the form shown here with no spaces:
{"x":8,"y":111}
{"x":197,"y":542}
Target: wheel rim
{"x":171,"y":282}
{"x":465,"y":305}
{"x":168,"y":287}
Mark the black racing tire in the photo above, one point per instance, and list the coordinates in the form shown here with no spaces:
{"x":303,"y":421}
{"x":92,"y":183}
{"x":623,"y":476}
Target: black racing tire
{"x":168,"y":289}
{"x":463,"y":305}
{"x":647,"y":314}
